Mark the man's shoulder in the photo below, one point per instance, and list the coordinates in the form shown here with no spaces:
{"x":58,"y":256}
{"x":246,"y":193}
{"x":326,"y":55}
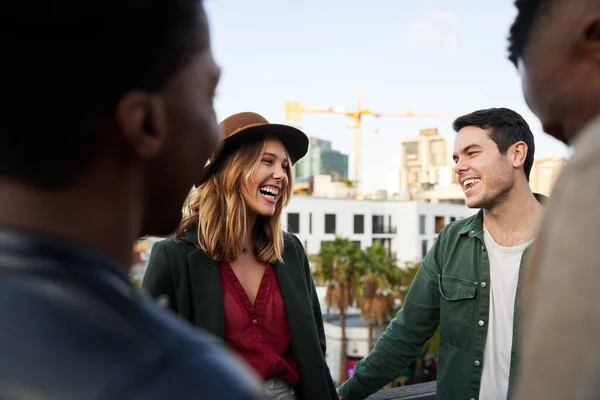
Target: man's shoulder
{"x":586,"y":146}
{"x":190,"y":363}
{"x":461,"y":226}
{"x":209,"y":373}
{"x":107,"y":339}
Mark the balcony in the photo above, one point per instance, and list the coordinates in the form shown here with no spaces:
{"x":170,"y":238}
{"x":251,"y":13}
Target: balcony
{"x":385,"y":230}
{"x":420,"y":391}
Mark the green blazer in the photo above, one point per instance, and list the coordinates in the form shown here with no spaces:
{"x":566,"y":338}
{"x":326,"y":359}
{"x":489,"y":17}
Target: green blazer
{"x":192,"y":283}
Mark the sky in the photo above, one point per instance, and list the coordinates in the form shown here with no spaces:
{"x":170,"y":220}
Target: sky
{"x":429,"y":56}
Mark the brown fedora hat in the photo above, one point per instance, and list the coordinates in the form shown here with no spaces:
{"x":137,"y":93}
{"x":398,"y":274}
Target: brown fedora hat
{"x":246,"y":127}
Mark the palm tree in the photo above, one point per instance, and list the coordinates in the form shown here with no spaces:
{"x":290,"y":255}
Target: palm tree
{"x":339,"y":263}
{"x":377,"y":299}
{"x":407,"y":275}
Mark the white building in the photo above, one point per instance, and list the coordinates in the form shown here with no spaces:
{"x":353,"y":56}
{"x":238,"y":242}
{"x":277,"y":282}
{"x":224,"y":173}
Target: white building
{"x":392,"y":186}
{"x":423,"y":159}
{"x":451,"y":194}
{"x":544,"y":173}
{"x":406,"y":228}
{"x":325,"y":186}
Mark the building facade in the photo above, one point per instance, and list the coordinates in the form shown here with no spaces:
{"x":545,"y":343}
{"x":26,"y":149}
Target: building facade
{"x":425,"y":161}
{"x":407,"y":229}
{"x":321,"y":159}
{"x":544,"y":173}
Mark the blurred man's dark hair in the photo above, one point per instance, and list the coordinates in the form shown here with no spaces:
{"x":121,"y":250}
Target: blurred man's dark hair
{"x":528,"y":11}
{"x":65,"y":66}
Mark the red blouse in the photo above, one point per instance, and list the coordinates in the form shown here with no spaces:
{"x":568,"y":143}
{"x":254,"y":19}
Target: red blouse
{"x":258,"y":333}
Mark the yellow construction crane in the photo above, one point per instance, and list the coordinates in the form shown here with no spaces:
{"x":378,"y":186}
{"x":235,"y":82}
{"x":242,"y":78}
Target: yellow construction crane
{"x":294,"y":111}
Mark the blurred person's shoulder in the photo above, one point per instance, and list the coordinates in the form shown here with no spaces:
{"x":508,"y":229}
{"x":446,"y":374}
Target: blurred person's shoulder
{"x":192,"y":363}
{"x":585,"y":148}
{"x":77,"y":329}
{"x":575,"y":185}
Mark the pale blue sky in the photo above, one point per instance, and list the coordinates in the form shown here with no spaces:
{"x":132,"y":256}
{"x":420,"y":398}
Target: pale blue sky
{"x":432,"y":56}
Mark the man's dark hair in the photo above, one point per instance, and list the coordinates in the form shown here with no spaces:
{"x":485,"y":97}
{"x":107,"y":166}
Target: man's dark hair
{"x":505,"y":126}
{"x":528,"y":13}
{"x":66,"y":64}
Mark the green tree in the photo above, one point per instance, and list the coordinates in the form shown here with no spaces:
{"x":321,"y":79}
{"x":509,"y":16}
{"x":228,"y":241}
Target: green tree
{"x":406,"y":278}
{"x":376,"y":295}
{"x":339,"y":265}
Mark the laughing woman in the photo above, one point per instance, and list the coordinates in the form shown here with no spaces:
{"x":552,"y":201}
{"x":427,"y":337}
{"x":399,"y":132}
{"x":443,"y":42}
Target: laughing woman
{"x":231,"y":270}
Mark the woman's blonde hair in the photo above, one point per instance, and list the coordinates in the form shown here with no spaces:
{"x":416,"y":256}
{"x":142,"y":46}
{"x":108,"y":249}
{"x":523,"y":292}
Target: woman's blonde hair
{"x":219,"y":210}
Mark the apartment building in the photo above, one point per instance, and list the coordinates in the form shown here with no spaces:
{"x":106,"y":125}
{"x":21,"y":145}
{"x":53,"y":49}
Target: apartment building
{"x":407,"y":229}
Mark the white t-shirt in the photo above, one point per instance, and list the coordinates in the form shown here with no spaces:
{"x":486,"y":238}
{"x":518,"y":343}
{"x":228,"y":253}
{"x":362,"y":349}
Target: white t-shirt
{"x":505,"y":263}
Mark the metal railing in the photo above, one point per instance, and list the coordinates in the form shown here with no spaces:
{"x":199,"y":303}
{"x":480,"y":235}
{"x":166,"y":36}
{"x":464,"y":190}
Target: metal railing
{"x":420,"y":391}
{"x":388,"y":230}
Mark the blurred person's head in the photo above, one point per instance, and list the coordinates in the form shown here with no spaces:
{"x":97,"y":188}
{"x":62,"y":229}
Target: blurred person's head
{"x":245,"y":189}
{"x":555,"y":44}
{"x":108,"y":97}
{"x":493,"y":155}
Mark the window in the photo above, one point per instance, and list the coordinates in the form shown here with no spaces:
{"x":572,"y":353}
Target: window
{"x":359,"y":223}
{"x":452,"y":219}
{"x":356,"y":243}
{"x":422,"y":220}
{"x":329,"y":223}
{"x":423,"y":248}
{"x":439,"y":223}
{"x":309,"y":222}
{"x":377,"y":223}
{"x":294,"y":223}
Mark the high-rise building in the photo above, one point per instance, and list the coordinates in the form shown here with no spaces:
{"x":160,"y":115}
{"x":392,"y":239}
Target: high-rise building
{"x":425,"y":161}
{"x":321,"y":159}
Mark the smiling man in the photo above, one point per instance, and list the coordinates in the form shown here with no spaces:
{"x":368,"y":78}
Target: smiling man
{"x":556,"y":46}
{"x":469,"y":282}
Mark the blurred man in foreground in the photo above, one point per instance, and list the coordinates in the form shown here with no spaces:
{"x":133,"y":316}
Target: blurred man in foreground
{"x":556,"y":46}
{"x":107,"y":124}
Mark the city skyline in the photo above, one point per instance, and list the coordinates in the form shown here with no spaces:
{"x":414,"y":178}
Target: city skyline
{"x":322,"y":159}
{"x":431,"y":56}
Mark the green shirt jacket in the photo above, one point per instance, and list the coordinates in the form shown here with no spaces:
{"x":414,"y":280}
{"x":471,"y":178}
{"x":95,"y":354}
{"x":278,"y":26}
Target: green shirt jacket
{"x":450,"y":291}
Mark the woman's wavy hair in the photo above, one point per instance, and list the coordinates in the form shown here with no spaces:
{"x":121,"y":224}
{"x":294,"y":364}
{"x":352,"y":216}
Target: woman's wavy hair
{"x":218,"y":210}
